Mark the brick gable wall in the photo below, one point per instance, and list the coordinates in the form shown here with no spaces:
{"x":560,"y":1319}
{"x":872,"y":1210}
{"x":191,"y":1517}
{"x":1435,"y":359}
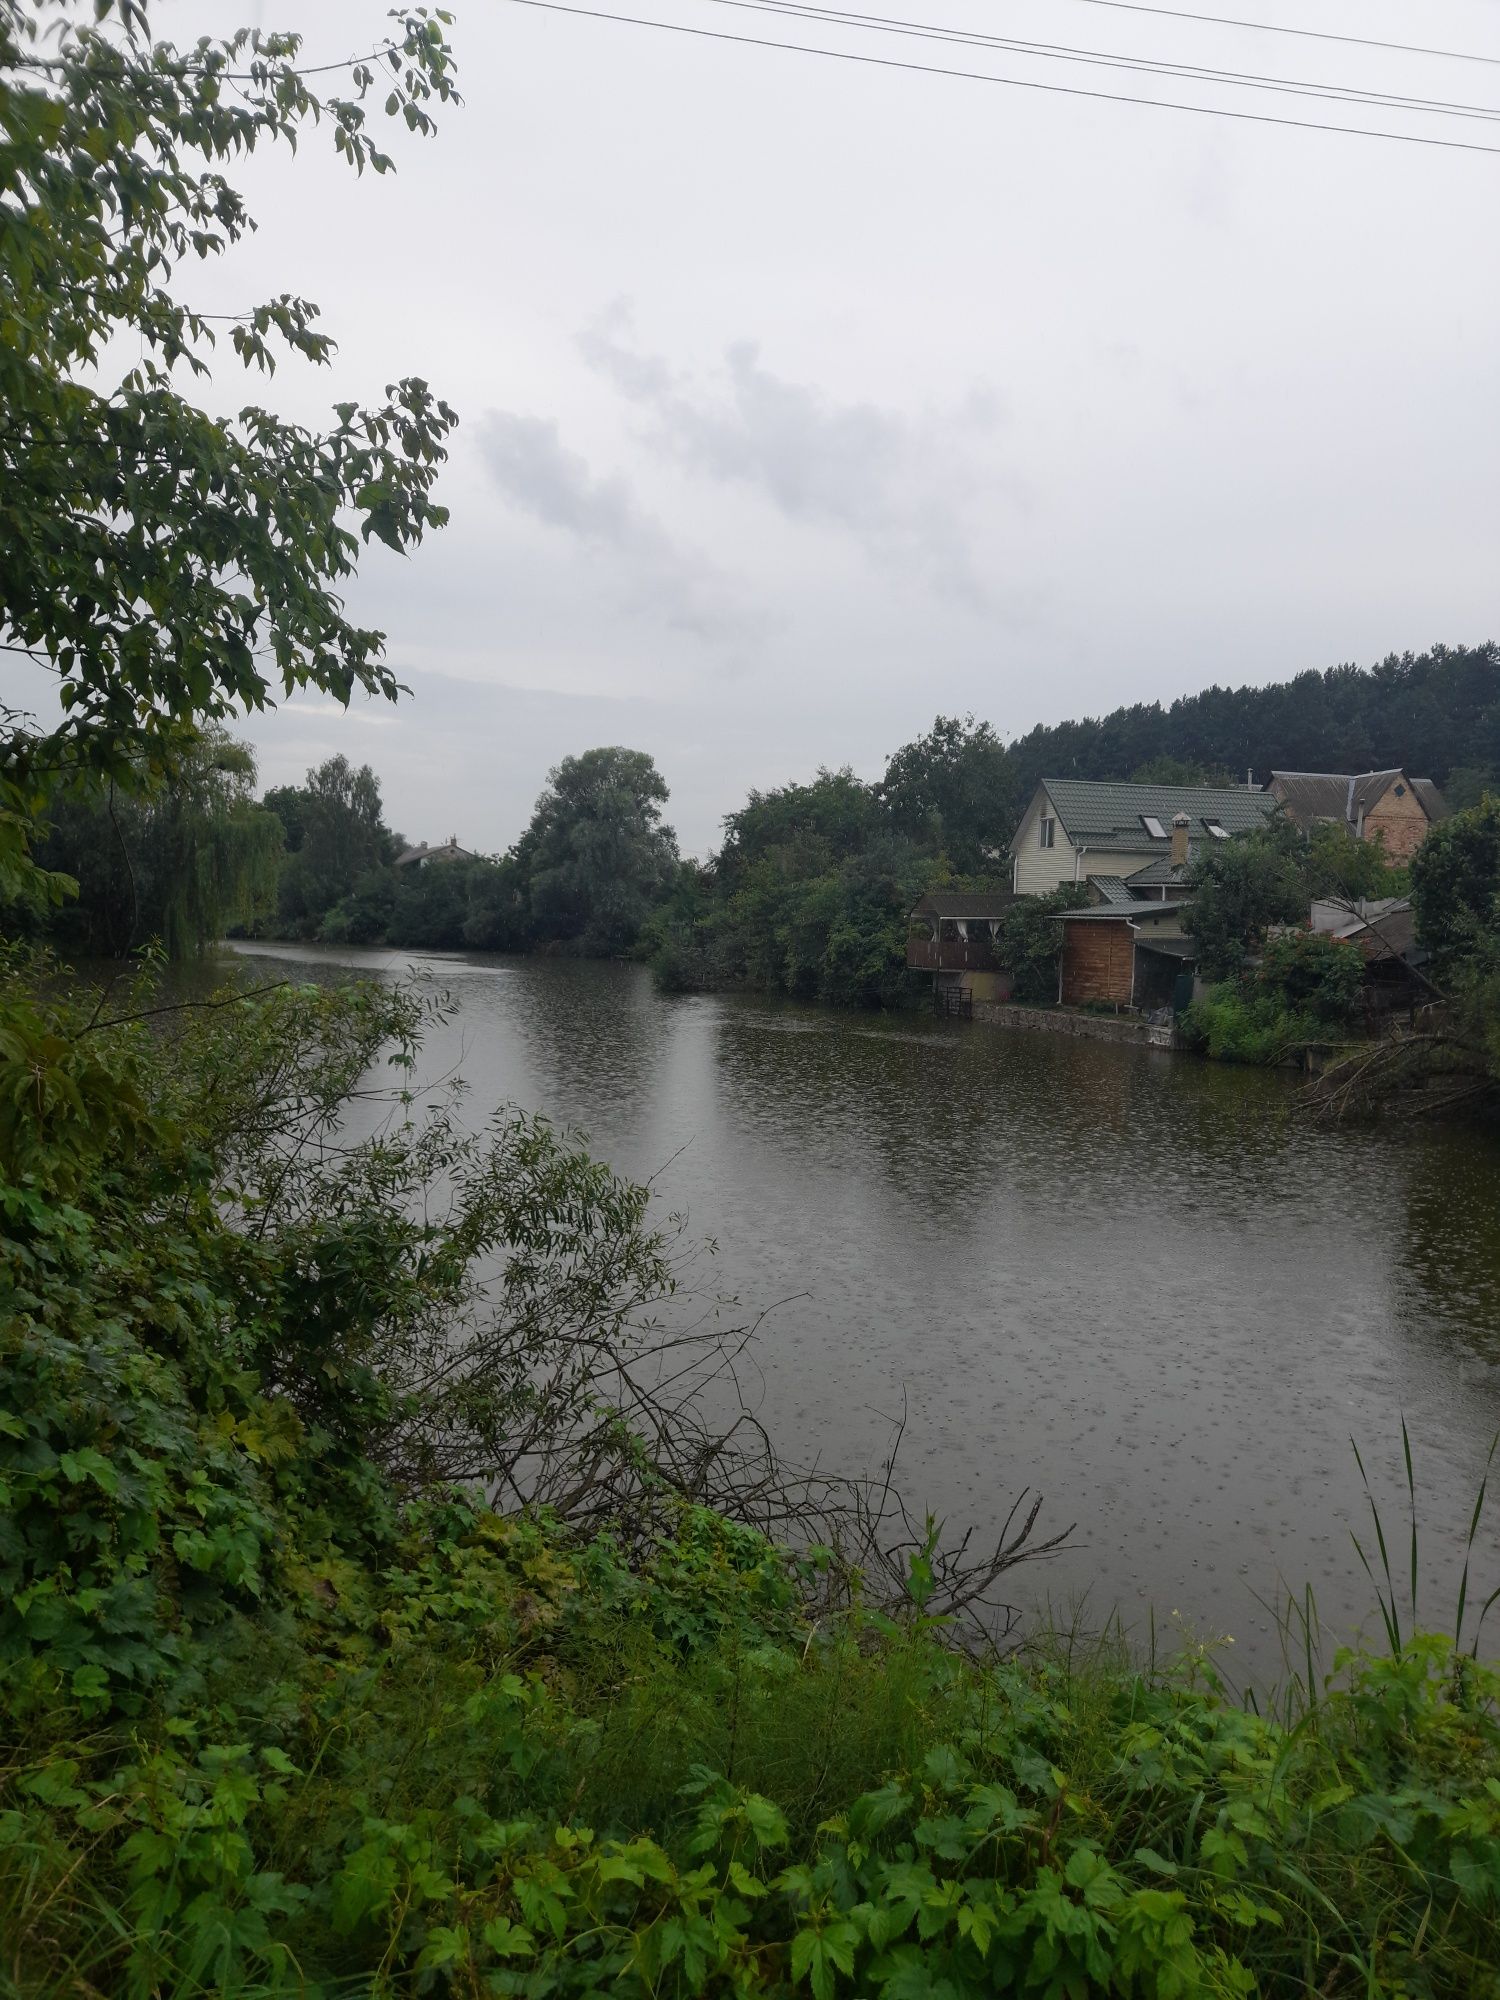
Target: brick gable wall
{"x":1399,"y":824}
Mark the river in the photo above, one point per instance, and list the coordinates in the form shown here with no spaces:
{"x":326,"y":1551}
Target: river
{"x":1131,"y":1280}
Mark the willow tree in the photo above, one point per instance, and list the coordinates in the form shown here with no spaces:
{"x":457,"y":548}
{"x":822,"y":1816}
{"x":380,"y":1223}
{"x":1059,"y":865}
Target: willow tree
{"x":177,"y":863}
{"x":171,"y":566}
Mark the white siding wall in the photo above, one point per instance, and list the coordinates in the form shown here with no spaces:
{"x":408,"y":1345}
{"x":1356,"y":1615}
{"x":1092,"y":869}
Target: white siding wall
{"x":1125,"y":864}
{"x":1169,"y":925}
{"x":1038,"y":869}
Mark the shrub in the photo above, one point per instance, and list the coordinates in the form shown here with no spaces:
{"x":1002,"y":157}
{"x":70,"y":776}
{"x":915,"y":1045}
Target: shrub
{"x":1304,"y":990}
{"x":1311,"y":972}
{"x":1030,"y":941}
{"x":1240,"y":888}
{"x":682,"y":962}
{"x":364,"y":915}
{"x":1455,"y":878}
{"x":1233,"y":1022}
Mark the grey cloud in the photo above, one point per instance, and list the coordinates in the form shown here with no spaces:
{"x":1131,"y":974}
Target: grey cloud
{"x":642,"y":377}
{"x":527,"y":459}
{"x":529,"y":462}
{"x":893,"y":482}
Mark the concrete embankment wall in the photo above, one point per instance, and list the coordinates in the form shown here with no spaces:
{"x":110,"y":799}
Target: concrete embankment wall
{"x":1065,"y":1021}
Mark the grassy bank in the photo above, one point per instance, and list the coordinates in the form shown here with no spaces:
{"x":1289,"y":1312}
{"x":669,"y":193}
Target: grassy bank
{"x":283,"y":1711}
{"x":506,"y":1764}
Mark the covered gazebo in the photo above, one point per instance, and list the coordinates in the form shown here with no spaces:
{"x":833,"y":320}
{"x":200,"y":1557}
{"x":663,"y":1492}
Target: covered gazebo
{"x":954,"y":935}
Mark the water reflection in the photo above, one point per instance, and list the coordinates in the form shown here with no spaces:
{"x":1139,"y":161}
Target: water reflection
{"x":1130,"y":1279}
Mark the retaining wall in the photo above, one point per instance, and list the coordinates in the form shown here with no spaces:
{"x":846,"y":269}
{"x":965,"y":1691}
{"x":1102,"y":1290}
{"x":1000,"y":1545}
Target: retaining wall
{"x":1067,"y":1021}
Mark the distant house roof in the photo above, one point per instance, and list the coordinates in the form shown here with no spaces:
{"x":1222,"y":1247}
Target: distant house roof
{"x":447,"y":850}
{"x":1151,"y":913}
{"x":1385,"y":927}
{"x":1161,"y":874}
{"x":1437,"y":806}
{"x":1111,"y":889}
{"x":979,"y":904}
{"x":1107,"y":817}
{"x":1311,"y":796}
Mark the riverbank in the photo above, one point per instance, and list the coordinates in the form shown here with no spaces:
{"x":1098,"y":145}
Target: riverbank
{"x":289,"y":1710}
{"x":1131,"y":1033}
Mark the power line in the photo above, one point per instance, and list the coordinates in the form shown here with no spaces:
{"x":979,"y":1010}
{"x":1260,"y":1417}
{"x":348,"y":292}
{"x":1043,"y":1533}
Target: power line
{"x":797,"y":10}
{"x":1275,"y":28}
{"x":1011,"y":82}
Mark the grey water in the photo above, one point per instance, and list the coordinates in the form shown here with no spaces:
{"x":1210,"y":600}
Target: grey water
{"x":1134,"y":1282}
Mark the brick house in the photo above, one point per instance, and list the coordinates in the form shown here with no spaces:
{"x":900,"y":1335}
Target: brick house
{"x":1387,"y":806}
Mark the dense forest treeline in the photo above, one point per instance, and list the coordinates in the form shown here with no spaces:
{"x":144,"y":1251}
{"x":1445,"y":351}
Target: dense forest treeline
{"x":1435,"y":714}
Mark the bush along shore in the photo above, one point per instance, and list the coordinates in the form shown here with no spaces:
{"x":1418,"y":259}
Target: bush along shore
{"x":288,"y":1706}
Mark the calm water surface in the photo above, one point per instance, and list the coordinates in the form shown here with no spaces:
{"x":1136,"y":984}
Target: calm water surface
{"x":1123,"y":1277}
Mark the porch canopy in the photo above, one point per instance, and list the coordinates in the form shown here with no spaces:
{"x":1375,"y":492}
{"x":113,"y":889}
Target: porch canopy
{"x":951,"y":912}
{"x":956,"y":931}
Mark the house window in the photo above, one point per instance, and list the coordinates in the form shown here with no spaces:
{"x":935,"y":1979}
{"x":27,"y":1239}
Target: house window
{"x":1400,"y":791}
{"x":1153,"y":826}
{"x":1046,"y":831}
{"x":1215,"y":829}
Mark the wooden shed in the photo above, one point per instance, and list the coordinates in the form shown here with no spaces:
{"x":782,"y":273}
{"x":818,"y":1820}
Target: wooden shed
{"x":1098,"y":960}
{"x":1122,"y":955}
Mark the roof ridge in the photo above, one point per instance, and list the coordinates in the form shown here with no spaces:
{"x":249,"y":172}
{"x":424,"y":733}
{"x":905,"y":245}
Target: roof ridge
{"x":1167,"y":785}
{"x":1385,"y":771}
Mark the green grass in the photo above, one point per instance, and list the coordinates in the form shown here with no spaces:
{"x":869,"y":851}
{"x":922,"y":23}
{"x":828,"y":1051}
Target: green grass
{"x":510,"y":1765}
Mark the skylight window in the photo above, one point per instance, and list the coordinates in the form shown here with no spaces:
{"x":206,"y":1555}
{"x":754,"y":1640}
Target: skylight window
{"x":1215,"y":829}
{"x":1153,"y":826}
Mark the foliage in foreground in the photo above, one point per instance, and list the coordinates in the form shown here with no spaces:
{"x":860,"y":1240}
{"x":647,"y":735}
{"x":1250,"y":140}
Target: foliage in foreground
{"x":281,"y":1710}
{"x":171,"y":567}
{"x":494,"y":1762}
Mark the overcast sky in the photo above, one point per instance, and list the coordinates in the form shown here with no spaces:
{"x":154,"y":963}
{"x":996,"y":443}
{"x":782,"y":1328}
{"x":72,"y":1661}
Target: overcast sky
{"x":802,"y":400}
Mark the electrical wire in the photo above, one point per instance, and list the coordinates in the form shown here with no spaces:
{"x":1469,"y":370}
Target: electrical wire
{"x":1275,"y":28}
{"x":1110,"y":59}
{"x":1010,"y":82}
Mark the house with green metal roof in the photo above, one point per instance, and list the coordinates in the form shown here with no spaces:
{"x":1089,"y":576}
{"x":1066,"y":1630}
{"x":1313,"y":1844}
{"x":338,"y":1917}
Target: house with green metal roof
{"x":1076,"y":830}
